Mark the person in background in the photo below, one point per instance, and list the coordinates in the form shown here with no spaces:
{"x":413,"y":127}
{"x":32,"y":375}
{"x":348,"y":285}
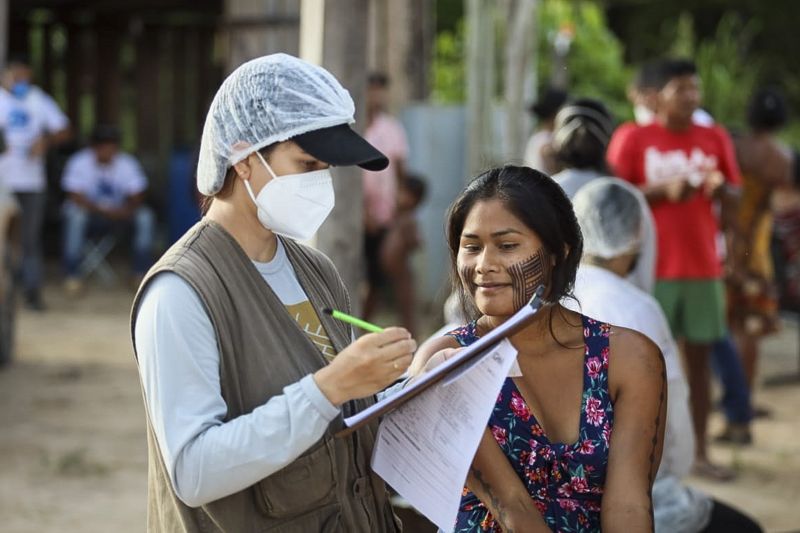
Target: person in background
{"x":767,"y":165}
{"x":538,"y":152}
{"x":386,"y":133}
{"x":105,"y":190}
{"x":580,"y":139}
{"x":31,"y":123}
{"x":610,"y":213}
{"x":682,"y":168}
{"x":402,"y":239}
{"x":245,"y":379}
{"x":581,"y":131}
{"x":575,"y":441}
{"x":643,"y":96}
{"x":725,"y":359}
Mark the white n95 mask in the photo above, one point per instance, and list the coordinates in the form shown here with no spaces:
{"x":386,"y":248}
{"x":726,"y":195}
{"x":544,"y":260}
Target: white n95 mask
{"x":294,"y":205}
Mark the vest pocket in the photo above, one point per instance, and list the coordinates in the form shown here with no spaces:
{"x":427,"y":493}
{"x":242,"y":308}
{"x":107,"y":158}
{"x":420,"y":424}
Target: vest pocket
{"x":306,"y":483}
{"x":327,"y":519}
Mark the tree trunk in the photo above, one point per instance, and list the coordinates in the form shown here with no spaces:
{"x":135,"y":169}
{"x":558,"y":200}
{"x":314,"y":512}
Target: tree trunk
{"x":345,"y":56}
{"x":520,"y":20}
{"x":480,"y":83}
{"x":401,"y":36}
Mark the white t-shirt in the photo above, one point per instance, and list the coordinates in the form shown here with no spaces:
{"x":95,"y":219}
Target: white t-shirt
{"x":108,"y":185}
{"x":22,"y":122}
{"x":178,"y":356}
{"x":609,"y":298}
{"x":533,"y":150}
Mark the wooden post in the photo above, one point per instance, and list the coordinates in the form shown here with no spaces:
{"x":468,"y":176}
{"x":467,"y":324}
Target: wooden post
{"x":345,"y":56}
{"x":312,"y":30}
{"x":108,"y":84}
{"x":74,"y":59}
{"x":19,"y":31}
{"x":420,"y":51}
{"x":46,"y":72}
{"x":480,"y":83}
{"x":520,"y":20}
{"x":400,"y":43}
{"x":3,"y":32}
{"x":259,"y":27}
{"x":179,"y":64}
{"x":147,"y":93}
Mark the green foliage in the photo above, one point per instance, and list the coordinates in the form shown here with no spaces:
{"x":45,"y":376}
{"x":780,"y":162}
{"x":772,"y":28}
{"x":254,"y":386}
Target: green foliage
{"x":595,"y":65}
{"x":684,"y":43}
{"x":726,"y":68}
{"x":449,"y":81}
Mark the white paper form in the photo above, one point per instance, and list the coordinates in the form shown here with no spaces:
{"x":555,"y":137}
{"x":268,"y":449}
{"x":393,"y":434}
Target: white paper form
{"x":425,"y":447}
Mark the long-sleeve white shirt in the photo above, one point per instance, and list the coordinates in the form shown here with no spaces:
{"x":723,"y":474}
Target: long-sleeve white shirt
{"x":178,"y":357}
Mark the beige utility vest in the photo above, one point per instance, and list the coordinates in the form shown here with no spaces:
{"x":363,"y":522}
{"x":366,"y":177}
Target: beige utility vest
{"x":330,"y":487}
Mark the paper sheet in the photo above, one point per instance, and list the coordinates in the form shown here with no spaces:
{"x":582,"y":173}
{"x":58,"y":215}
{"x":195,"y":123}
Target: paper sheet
{"x":425,"y":447}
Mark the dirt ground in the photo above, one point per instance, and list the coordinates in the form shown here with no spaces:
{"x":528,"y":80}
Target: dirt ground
{"x":73,"y":452}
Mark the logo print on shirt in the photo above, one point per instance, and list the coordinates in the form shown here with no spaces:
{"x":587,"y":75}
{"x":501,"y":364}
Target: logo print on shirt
{"x":18,"y":118}
{"x":665,"y":166}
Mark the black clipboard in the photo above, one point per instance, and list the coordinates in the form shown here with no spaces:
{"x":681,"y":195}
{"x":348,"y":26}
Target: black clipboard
{"x":462,"y":362}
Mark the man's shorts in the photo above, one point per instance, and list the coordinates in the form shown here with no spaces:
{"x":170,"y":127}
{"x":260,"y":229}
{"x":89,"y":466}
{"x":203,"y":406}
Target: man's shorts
{"x":695,"y":308}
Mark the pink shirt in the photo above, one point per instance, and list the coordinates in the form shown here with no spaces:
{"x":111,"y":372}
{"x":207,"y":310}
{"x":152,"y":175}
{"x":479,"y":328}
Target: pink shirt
{"x":380,"y":188}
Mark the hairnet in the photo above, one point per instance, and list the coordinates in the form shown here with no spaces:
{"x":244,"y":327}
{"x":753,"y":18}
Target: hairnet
{"x":610,"y":215}
{"x":267,"y":100}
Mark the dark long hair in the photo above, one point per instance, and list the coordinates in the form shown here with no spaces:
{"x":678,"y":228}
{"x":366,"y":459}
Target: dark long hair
{"x":541,"y":205}
{"x":582,"y":131}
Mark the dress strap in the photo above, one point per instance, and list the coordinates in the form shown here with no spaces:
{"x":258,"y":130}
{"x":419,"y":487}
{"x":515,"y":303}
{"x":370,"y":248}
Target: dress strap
{"x":466,"y":334}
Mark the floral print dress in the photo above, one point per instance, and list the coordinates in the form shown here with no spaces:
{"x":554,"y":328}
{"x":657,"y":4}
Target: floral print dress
{"x":565,"y":480}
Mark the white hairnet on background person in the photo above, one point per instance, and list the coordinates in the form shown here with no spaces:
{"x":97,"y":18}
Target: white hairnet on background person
{"x":264,"y":101}
{"x":610,"y":216}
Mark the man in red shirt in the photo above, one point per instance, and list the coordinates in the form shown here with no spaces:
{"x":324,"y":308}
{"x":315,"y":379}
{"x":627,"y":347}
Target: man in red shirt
{"x":682,"y":167}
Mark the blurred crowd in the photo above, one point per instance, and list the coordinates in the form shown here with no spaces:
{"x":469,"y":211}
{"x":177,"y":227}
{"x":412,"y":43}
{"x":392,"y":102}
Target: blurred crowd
{"x":705,"y":248}
{"x":103,"y":189}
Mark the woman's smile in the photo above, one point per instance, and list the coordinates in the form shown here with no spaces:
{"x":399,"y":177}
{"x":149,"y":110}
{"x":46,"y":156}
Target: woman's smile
{"x":491,"y":288}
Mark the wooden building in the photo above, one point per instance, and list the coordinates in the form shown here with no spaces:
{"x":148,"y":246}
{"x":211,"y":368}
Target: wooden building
{"x":149,"y":66}
{"x":152,"y":67}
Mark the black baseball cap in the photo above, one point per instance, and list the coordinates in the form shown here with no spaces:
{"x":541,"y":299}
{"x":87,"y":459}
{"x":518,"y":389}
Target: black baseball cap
{"x":341,"y":146}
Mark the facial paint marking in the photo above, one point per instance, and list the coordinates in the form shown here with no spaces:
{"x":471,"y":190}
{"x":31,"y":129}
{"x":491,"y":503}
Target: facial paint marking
{"x":527,"y":275}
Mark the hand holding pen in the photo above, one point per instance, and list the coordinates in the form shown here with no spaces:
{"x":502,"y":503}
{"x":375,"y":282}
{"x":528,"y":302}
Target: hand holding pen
{"x":368,"y":365}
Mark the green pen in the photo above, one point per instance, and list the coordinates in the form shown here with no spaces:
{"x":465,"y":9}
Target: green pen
{"x":357,"y":322}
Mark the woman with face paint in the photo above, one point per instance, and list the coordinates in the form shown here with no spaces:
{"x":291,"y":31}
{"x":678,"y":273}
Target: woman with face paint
{"x":245,"y":379}
{"x":573,"y":444}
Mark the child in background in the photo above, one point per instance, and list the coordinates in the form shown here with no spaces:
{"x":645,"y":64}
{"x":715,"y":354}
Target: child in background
{"x":402,"y":239}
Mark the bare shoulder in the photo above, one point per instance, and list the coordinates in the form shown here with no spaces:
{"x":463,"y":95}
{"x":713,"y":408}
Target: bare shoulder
{"x":634,"y":356}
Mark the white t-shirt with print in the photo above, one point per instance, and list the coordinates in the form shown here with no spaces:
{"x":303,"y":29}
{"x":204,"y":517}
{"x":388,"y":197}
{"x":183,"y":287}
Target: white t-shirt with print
{"x":280,"y":276}
{"x":22,"y":122}
{"x":108,"y":185}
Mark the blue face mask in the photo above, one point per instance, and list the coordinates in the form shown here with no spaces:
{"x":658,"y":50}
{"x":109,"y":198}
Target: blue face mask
{"x":20,"y":89}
